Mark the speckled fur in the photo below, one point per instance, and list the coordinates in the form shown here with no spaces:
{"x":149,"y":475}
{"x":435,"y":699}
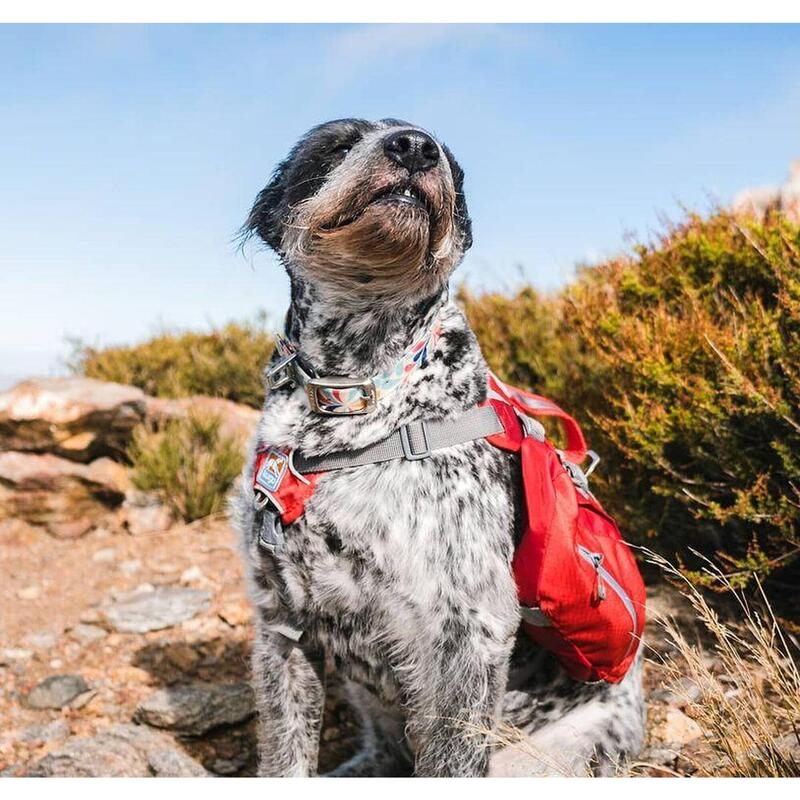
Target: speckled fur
{"x":399,"y":573}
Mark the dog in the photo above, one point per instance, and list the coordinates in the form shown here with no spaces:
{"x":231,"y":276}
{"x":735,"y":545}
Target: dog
{"x":398,"y":573}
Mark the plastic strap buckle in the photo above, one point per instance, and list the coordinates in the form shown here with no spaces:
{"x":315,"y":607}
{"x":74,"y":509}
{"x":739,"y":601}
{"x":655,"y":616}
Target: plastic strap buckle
{"x":405,"y":442}
{"x":270,"y":534}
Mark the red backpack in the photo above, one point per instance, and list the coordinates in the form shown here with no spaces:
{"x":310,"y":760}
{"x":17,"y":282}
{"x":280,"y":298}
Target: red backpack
{"x":580,"y":591}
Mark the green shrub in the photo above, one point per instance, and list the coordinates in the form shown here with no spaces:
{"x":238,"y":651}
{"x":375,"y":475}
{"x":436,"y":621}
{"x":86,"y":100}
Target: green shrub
{"x":682,"y":360}
{"x":225,"y":362}
{"x":523,"y":341}
{"x":188,"y":462}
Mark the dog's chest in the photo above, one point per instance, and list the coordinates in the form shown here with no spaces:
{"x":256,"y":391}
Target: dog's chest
{"x":386,"y":555}
{"x":422,"y":530}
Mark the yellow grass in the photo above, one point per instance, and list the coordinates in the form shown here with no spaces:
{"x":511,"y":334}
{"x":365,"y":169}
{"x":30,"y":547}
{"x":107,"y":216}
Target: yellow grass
{"x":748,"y":703}
{"x":189,"y":462}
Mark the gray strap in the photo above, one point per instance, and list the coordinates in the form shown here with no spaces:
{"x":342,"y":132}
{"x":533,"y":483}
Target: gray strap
{"x":414,"y":441}
{"x":286,"y":630}
{"x":534,"y":616}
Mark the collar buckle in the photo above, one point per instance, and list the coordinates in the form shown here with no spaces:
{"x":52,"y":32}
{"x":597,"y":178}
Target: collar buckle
{"x":325,"y":396}
{"x":281,"y":373}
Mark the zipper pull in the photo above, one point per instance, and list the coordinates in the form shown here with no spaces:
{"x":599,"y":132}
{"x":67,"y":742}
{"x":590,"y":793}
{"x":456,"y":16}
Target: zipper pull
{"x":600,"y":587}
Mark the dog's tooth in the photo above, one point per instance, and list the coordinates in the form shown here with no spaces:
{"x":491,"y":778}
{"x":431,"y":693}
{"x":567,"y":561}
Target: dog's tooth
{"x":407,"y":192}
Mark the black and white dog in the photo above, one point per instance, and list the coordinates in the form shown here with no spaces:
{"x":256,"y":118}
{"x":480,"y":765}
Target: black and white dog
{"x":398,"y":572}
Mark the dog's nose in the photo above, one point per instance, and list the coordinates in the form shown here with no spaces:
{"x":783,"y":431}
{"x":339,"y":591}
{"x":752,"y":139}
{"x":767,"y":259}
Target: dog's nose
{"x":412,"y":149}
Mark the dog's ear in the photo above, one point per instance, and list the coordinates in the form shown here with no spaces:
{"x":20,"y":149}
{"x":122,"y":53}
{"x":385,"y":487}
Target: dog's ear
{"x":266,"y":217}
{"x":299,"y":176}
{"x":463,"y":220}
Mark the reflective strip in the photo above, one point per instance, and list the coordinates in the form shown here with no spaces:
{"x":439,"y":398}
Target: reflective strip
{"x":538,"y":405}
{"x":587,"y":555}
{"x":286,"y":630}
{"x":535,"y":617}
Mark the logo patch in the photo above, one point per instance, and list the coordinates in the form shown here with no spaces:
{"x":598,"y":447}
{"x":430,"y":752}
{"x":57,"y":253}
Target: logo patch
{"x":272,"y":470}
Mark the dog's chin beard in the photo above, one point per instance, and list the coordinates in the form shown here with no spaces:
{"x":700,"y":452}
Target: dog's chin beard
{"x":384,"y":250}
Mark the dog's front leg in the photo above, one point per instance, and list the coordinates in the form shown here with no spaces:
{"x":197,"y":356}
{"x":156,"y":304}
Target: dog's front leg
{"x":451,"y":724}
{"x":290,"y":694}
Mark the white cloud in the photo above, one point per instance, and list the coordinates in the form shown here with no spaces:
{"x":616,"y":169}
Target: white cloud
{"x":353,"y":48}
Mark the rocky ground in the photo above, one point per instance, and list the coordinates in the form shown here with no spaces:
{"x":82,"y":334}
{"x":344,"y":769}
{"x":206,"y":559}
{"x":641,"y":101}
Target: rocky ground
{"x":126,"y":655}
{"x":125,"y":637}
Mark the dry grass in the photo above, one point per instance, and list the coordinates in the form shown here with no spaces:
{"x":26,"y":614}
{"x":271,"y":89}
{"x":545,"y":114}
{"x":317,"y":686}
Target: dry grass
{"x":189,"y":462}
{"x":740,"y":682}
{"x":748,"y":695}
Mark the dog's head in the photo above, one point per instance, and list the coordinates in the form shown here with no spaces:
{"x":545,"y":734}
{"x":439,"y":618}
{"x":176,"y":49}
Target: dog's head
{"x":367,"y":210}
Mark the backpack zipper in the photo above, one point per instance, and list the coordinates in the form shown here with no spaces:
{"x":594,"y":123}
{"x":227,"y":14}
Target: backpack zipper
{"x":603,"y":575}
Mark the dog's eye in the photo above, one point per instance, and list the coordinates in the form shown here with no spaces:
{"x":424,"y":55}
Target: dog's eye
{"x":342,"y":149}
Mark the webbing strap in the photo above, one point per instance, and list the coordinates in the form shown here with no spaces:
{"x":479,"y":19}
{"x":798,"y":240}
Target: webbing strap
{"x":414,"y":441}
{"x":537,"y":406}
{"x":534,"y":616}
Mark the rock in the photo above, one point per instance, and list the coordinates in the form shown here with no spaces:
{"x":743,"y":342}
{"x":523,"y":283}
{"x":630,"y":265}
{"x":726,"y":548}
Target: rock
{"x":70,"y":529}
{"x":9,"y":656}
{"x":520,"y":760}
{"x":228,"y":766}
{"x":238,"y":421}
{"x":121,"y":751}
{"x":679,"y":694}
{"x":159,"y":608}
{"x":82,"y":699}
{"x":164,"y":568}
{"x":788,"y":746}
{"x":659,"y":756}
{"x":687,"y":764}
{"x":234,"y":614}
{"x":101,"y":756}
{"x":43,"y":640}
{"x":29,"y":593}
{"x":182,"y":656}
{"x":16,"y":530}
{"x":193,"y":710}
{"x":68,"y":498}
{"x":77,"y":418}
{"x":143,"y":512}
{"x":91,"y":616}
{"x":109,"y":473}
{"x":192,"y":574}
{"x":104,"y":555}
{"x":56,"y":691}
{"x":88,"y":633}
{"x":786,"y":198}
{"x":142,"y":588}
{"x":676,"y":729}
{"x":58,"y":729}
{"x":170,"y":762}
{"x":130,"y":567}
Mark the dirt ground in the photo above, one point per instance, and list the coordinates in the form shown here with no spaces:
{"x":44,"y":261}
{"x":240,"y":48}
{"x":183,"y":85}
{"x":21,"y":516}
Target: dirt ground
{"x":51,"y":590}
{"x":50,"y":586}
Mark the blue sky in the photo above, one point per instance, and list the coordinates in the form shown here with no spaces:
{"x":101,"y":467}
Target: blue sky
{"x":129,"y":155}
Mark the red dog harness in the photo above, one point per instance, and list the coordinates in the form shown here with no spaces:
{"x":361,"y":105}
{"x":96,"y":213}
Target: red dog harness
{"x":580,"y":591}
